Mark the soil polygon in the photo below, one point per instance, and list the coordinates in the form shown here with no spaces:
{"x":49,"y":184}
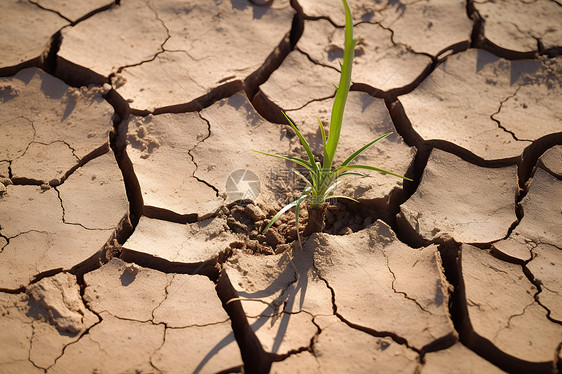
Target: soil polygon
{"x":299,"y":81}
{"x":246,"y":34}
{"x":51,"y":315}
{"x":500,"y":302}
{"x":35,"y":28}
{"x":128,"y":34}
{"x":419,"y":308}
{"x":519,"y":25}
{"x":471,"y":204}
{"x":210,"y":349}
{"x":39,"y":239}
{"x":86,"y":207}
{"x":429,"y":26}
{"x":192,"y":243}
{"x":462,"y":103}
{"x":61,"y":127}
{"x":540,"y":221}
{"x":551,"y":161}
{"x":113,"y":344}
{"x":160,"y":148}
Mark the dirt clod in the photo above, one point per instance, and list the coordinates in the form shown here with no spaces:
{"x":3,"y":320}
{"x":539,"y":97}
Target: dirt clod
{"x":273,"y":238}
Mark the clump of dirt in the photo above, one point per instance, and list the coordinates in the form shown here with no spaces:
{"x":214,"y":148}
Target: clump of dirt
{"x":57,"y":300}
{"x":112,"y":249}
{"x":7,"y":92}
{"x":118,"y":81}
{"x":141,"y":137}
{"x":248,"y":221}
{"x":89,"y":93}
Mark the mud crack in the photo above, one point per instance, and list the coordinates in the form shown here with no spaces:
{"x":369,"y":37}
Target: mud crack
{"x":193,"y":158}
{"x":398,"y":44}
{"x":31,"y":348}
{"x":113,"y":77}
{"x":274,"y":60}
{"x":7,"y":239}
{"x":86,"y":332}
{"x":508,"y":323}
{"x":151,"y":358}
{"x":538,"y":284}
{"x":499,"y":123}
{"x":379,"y":334}
{"x":81,"y":18}
{"x":319,"y":64}
{"x":309,"y":347}
{"x":401,"y":292}
{"x":28,"y":144}
{"x":255,"y":358}
{"x":168,"y":284}
{"x":51,"y":10}
{"x":72,"y":223}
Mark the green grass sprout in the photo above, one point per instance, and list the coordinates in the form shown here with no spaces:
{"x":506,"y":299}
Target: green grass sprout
{"x":323,"y":177}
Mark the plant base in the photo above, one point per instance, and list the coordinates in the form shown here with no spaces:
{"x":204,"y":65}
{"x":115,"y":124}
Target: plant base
{"x":315,"y":220}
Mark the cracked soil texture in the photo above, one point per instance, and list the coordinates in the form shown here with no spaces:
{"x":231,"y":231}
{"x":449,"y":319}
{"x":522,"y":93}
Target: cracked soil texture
{"x":132,"y":204}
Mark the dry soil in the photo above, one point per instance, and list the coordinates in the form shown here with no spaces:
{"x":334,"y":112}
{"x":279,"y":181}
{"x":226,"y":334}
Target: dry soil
{"x":132,"y":205}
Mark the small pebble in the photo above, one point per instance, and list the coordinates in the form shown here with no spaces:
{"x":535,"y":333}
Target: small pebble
{"x":132,"y":269}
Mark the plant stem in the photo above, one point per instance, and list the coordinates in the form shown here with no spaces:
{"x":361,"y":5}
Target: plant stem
{"x":315,"y":220}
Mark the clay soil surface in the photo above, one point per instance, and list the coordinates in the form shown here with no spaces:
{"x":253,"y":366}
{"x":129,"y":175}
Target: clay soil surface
{"x":132,"y":205}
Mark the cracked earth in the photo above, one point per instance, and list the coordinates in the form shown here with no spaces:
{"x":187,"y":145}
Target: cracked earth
{"x":122,"y":250}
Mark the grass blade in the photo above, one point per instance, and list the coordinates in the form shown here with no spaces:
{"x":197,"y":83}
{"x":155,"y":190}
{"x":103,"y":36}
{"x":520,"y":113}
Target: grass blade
{"x":303,"y":142}
{"x":298,"y":173}
{"x":367,"y":167}
{"x":360,"y":150}
{"x":342,"y":197}
{"x":296,"y":160}
{"x":341,"y":92}
{"x":353,"y":173}
{"x":323,"y":132}
{"x":332,"y":186}
{"x":279,"y":213}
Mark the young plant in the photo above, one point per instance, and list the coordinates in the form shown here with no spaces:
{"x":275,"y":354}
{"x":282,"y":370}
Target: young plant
{"x":323,"y":177}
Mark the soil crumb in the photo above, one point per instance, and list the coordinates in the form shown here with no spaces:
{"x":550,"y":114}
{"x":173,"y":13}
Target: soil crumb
{"x":249,"y":220}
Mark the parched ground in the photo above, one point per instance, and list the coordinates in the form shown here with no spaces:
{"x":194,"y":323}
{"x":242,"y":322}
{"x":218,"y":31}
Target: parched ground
{"x":132,"y":205}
